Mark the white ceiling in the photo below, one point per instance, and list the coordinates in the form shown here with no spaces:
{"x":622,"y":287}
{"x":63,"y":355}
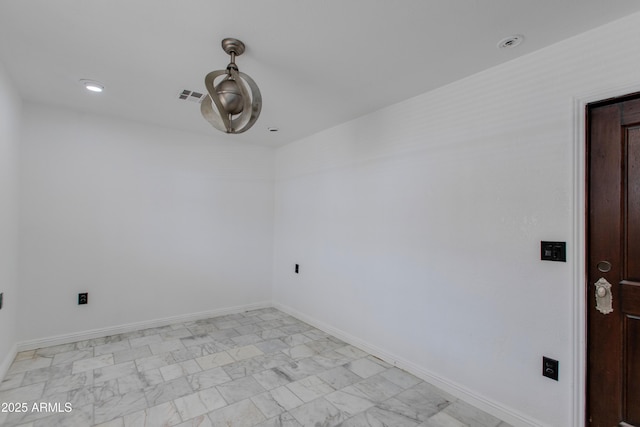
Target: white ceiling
{"x":318,"y":63}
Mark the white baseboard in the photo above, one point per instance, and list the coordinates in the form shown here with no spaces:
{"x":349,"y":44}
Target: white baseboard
{"x":7,"y":361}
{"x":496,"y":409}
{"x":120,"y":329}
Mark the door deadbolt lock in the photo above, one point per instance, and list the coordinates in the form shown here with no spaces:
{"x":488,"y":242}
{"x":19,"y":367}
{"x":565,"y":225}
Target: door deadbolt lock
{"x":604,"y":299}
{"x":604,"y":266}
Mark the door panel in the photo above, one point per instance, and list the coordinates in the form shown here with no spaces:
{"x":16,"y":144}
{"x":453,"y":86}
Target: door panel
{"x":613,"y":232}
{"x":632,"y":245}
{"x":632,"y":383}
{"x":604,"y":381}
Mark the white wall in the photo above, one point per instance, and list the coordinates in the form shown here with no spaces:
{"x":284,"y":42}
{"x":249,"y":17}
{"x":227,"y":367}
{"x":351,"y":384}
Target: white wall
{"x":417,"y":228}
{"x":152,"y":222}
{"x":9,"y":137}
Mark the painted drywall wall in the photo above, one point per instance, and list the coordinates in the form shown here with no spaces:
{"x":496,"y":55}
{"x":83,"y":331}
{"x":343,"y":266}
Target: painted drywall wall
{"x":9,"y":137}
{"x":152,"y":223}
{"x":417,"y":228}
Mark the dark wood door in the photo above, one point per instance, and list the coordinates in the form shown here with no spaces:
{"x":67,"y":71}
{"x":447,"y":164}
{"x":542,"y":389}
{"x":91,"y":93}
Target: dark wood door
{"x":613,"y":254}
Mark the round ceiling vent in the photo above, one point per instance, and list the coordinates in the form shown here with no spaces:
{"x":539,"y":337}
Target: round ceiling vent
{"x":511,"y":41}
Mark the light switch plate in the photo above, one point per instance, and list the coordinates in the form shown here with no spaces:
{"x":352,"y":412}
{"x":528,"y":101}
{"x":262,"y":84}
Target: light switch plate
{"x":553,"y":251}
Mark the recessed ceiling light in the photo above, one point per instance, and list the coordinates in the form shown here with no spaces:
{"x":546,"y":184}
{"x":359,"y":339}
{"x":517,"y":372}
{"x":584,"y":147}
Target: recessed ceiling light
{"x":511,"y":41}
{"x":92,"y":85}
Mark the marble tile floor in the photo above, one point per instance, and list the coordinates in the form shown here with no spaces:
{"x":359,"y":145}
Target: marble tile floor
{"x":261,"y":368}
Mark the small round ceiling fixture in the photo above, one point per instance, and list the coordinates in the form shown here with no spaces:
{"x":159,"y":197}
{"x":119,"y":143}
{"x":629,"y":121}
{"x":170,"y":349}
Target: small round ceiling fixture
{"x":92,"y":85}
{"x":511,"y":41}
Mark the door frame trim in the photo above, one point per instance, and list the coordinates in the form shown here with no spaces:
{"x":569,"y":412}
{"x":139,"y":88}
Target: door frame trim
{"x":578,"y":248}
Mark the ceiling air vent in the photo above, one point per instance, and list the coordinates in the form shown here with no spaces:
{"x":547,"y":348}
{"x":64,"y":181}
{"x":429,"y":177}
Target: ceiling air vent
{"x":511,"y":41}
{"x":189,"y":95}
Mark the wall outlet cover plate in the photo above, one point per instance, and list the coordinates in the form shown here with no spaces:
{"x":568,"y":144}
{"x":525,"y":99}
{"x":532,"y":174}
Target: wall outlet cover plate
{"x":550,"y":368}
{"x":83,"y":298}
